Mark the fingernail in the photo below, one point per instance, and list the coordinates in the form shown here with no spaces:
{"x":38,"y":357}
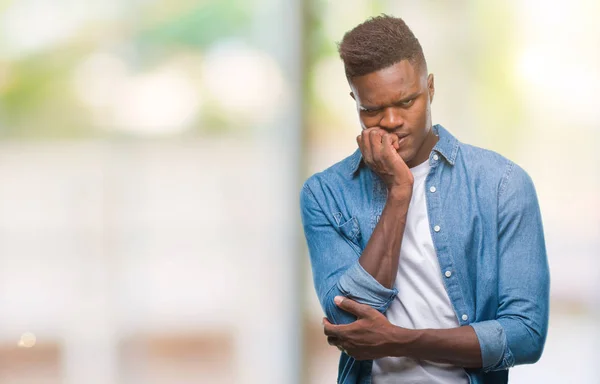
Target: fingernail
{"x":338,"y":299}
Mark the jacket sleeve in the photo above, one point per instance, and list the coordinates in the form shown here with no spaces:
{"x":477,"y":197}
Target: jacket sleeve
{"x":334,"y":262}
{"x":518,"y":333}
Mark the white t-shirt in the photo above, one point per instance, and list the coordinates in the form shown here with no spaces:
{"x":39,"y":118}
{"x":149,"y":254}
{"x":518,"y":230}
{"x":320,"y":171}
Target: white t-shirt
{"x":422,"y":301}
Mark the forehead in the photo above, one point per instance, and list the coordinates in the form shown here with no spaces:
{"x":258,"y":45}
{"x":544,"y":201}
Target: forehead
{"x":389,"y":84}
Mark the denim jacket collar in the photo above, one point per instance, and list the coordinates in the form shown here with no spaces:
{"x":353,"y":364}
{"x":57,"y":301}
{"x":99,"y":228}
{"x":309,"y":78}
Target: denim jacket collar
{"x":447,"y":146}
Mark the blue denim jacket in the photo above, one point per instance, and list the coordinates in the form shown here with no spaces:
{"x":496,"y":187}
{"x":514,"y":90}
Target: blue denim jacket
{"x":490,"y":237}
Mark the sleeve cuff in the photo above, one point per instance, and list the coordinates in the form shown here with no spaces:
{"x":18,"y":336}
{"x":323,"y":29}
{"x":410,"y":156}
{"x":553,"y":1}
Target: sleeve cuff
{"x":359,"y":285}
{"x":493,"y":344}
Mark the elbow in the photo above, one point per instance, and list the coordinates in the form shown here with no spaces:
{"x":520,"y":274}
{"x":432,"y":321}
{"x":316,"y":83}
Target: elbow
{"x":537,"y":340}
{"x":355,"y":284}
{"x":536,"y":356}
{"x":529,"y":349}
{"x":337,"y":315}
{"x":508,"y":341}
{"x":331,"y":310}
{"x":534,"y":352}
{"x":334,"y":314}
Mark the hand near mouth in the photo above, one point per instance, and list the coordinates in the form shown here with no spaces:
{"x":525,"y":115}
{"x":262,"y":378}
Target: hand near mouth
{"x":380,"y":152}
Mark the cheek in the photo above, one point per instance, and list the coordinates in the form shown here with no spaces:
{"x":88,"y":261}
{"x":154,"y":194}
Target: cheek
{"x":369,"y":121}
{"x":419,"y":120}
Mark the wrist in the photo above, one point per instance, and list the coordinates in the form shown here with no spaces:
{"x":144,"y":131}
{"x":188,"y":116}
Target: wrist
{"x":400,"y":193}
{"x":404,"y":340}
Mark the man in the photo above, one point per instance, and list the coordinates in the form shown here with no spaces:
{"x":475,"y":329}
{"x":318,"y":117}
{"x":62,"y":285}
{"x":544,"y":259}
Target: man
{"x":428,"y":254}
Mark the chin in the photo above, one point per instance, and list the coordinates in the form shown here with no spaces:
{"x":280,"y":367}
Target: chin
{"x":407,"y":156}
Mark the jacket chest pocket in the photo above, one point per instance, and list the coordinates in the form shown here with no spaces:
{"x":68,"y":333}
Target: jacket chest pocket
{"x":349,"y":228}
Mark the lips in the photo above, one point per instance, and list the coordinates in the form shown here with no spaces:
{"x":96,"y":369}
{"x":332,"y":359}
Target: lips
{"x":402,"y":139}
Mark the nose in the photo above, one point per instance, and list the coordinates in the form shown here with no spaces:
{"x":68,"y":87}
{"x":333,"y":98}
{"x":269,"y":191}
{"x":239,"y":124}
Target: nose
{"x":392,"y":119}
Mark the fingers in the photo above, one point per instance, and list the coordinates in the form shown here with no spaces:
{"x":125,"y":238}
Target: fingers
{"x":367,"y":152}
{"x":361,"y":144}
{"x":335,"y":342}
{"x":330,"y":329}
{"x":386,"y":143}
{"x":369,"y":142}
{"x":375,"y":136}
{"x":395,"y":142}
{"x":360,"y":310}
{"x":389,"y":146}
{"x":333,"y":336}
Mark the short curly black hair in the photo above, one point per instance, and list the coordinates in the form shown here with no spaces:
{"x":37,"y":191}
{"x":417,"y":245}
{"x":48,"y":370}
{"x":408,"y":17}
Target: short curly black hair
{"x":378,"y":43}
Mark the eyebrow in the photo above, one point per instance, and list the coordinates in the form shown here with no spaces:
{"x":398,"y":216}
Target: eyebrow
{"x":377,"y":107}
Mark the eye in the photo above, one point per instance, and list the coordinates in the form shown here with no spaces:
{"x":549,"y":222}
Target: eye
{"x":370,"y":111}
{"x":407,"y":103}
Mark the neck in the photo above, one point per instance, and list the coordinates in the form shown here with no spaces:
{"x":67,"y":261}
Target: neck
{"x":423,"y":153}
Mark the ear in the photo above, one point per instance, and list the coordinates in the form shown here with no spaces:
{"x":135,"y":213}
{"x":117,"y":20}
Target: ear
{"x":430,"y":86}
{"x":352,"y":95}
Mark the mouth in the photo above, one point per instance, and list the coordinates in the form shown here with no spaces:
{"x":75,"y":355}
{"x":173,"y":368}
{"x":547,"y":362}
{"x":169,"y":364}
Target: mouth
{"x":402,"y":139}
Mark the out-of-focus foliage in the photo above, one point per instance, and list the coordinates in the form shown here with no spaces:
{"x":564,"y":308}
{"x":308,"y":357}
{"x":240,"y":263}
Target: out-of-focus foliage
{"x":194,"y":25}
{"x":40,"y":92}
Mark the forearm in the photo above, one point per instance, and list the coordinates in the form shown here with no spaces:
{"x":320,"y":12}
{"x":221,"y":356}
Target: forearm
{"x":381,"y":255}
{"x":456,"y":346}
{"x":334,"y":263}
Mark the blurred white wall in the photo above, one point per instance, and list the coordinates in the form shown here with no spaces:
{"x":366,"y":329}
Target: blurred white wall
{"x":100,"y":243}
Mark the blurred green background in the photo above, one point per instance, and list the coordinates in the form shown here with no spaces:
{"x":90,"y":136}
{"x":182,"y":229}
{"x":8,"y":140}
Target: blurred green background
{"x":152,"y":152}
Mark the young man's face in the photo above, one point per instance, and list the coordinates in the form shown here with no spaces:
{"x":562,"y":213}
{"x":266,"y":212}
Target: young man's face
{"x":398,"y":99}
